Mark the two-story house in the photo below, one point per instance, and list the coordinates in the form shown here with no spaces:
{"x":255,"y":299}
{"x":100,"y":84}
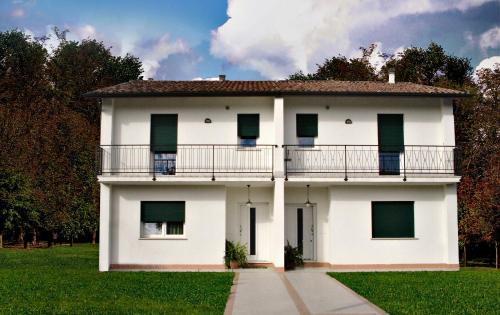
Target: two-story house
{"x":360,"y":175}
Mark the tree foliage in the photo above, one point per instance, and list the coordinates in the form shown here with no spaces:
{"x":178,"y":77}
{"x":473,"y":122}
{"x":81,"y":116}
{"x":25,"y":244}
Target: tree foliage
{"x":49,"y":131}
{"x":341,"y":68}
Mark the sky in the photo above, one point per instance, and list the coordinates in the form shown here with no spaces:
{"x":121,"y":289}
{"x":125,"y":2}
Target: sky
{"x":261,"y":39}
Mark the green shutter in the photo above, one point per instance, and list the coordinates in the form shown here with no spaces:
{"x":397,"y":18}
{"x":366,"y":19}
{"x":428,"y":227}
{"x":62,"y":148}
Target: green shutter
{"x":307,"y":125}
{"x":162,"y":211}
{"x":248,"y":125}
{"x":390,"y":132}
{"x":164,"y":133}
{"x":392,"y":219}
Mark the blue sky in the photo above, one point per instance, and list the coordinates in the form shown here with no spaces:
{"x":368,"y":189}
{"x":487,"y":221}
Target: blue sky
{"x":261,"y":39}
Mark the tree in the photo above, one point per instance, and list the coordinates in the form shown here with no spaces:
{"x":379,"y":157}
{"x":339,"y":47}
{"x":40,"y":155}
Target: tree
{"x":49,"y":131}
{"x":16,"y":206}
{"x":341,"y":68}
{"x":430,"y":66}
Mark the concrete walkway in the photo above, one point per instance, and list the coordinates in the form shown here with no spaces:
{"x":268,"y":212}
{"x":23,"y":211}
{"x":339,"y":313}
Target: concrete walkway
{"x":308,"y":291}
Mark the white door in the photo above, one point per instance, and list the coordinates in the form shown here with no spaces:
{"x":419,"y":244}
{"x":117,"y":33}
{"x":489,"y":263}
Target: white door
{"x":254,"y":223}
{"x":299,"y":229}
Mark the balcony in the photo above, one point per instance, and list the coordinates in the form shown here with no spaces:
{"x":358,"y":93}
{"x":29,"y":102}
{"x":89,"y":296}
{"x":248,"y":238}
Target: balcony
{"x":200,"y":160}
{"x":371,"y":160}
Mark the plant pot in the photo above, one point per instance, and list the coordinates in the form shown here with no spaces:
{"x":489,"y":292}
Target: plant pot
{"x":233,"y":264}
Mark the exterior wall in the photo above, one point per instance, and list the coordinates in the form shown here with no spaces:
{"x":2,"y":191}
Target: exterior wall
{"x":204,"y":226}
{"x":423,"y":118}
{"x":132,"y":116}
{"x":319,"y":196}
{"x":343,"y":212}
{"x":350,"y":226}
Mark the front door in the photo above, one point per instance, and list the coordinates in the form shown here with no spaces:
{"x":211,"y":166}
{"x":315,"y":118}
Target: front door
{"x":254,"y":223}
{"x":299,"y":229}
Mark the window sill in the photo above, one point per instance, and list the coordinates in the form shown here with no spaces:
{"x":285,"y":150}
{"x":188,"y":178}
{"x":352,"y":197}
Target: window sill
{"x":182,"y":237}
{"x":394,"y":238}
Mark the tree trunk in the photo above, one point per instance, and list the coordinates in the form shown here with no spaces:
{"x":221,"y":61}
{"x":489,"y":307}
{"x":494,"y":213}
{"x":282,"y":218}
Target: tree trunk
{"x":496,"y":255}
{"x":94,"y":236}
{"x":25,"y":239}
{"x":33,"y":237}
{"x":465,"y":255}
{"x":54,"y":238}
{"x":1,"y":239}
{"x":71,"y":241}
{"x":21,"y":235}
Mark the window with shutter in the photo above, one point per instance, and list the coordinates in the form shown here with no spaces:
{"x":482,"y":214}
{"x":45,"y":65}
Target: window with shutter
{"x":390,"y":142}
{"x":248,"y":129}
{"x":162,"y":218}
{"x":164,"y":133}
{"x":393,"y":219}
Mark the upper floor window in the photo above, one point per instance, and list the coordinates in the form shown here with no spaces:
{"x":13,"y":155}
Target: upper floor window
{"x":307,"y":129}
{"x":162,"y":219}
{"x":390,"y":142}
{"x":164,"y":142}
{"x":248,"y":129}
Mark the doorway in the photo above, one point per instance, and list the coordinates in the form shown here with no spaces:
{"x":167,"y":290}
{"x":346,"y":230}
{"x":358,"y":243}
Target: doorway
{"x":299,"y":229}
{"x":254,"y":231}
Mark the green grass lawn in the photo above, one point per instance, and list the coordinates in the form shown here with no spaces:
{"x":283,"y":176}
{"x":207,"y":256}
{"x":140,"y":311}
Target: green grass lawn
{"x":468,"y":291}
{"x":65,"y":280}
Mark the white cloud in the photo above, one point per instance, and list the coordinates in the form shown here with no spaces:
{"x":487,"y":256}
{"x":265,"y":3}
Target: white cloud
{"x":488,"y":63}
{"x":276,"y":37}
{"x":153,"y":53}
{"x":17,"y":13}
{"x":490,"y":39}
{"x":85,"y":31}
{"x":206,"y":79}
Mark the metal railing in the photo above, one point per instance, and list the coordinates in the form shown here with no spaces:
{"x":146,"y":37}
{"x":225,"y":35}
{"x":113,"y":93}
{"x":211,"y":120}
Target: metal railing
{"x":354,"y":160}
{"x":186,"y":159}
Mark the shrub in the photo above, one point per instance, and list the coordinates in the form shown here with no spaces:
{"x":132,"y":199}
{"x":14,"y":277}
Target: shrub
{"x":235,"y":252}
{"x":293,"y":257}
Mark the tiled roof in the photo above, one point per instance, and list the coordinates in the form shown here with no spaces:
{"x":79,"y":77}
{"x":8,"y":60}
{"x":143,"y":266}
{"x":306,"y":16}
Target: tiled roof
{"x":234,"y":88}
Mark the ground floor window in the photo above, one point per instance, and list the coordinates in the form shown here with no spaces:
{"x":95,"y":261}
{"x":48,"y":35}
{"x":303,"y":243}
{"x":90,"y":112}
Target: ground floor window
{"x":162,"y":218}
{"x":393,"y":219}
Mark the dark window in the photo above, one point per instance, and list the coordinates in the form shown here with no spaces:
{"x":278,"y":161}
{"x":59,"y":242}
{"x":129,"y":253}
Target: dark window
{"x":252,"y":230}
{"x":390,"y":132}
{"x":164,"y":142}
{"x":162,"y":218}
{"x":300,"y":228}
{"x":164,"y":133}
{"x":393,"y":219}
{"x":248,"y":126}
{"x":307,"y":125}
{"x":391,"y":143}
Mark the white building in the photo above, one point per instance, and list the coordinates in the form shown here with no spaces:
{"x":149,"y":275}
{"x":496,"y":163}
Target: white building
{"x":179,"y":160}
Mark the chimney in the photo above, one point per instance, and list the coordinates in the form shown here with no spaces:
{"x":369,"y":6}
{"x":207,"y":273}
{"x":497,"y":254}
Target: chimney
{"x":222,"y":77}
{"x":392,"y":76}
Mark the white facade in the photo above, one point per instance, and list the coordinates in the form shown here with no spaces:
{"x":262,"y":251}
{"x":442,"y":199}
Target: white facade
{"x":215,"y":178}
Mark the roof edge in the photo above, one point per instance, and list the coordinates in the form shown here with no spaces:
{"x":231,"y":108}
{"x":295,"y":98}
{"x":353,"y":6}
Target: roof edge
{"x":270,"y":93}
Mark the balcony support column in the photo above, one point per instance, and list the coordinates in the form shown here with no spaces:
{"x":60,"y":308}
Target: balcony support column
{"x":278,"y":225}
{"x":104,"y":227}
{"x":279,"y":136}
{"x":451,"y":223}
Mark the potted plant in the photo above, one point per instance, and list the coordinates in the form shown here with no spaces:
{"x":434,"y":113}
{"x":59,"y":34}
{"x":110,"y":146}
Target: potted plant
{"x":293,"y":257}
{"x":236,"y":255}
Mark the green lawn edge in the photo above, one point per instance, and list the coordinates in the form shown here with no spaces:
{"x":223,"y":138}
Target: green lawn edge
{"x":468,"y":291}
{"x":66,"y":280}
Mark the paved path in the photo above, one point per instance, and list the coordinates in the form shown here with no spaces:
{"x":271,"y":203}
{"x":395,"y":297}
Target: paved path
{"x":296,"y":292}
